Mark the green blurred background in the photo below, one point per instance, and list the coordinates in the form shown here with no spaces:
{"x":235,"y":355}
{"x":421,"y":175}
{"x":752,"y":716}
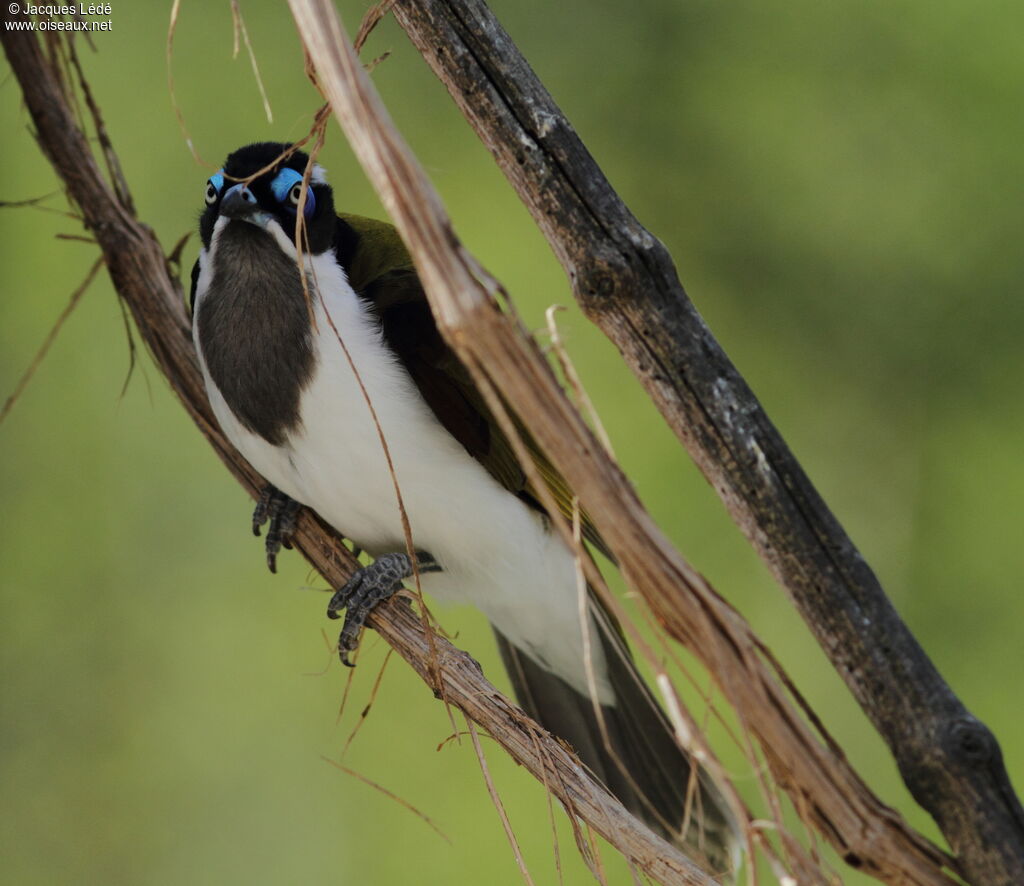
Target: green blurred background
{"x":840,"y":188}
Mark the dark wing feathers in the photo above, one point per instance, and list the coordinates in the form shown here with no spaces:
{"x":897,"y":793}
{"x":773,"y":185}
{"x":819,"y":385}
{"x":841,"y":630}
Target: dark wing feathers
{"x":192,"y":288}
{"x":631,"y":748}
{"x":381,"y":271}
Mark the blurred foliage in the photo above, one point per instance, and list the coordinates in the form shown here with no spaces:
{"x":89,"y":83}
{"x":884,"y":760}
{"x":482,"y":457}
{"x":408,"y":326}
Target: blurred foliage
{"x":840,"y":187}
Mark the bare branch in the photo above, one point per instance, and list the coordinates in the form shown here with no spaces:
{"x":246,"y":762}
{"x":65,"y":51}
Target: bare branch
{"x":625,"y":281}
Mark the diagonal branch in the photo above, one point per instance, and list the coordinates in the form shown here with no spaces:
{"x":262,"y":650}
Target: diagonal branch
{"x":502,"y":358}
{"x":625,"y":280}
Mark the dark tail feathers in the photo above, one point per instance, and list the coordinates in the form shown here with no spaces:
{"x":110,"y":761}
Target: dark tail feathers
{"x":641,"y":765}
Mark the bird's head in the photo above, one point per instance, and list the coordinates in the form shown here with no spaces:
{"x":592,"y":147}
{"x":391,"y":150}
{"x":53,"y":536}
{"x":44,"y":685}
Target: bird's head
{"x":270,"y":200}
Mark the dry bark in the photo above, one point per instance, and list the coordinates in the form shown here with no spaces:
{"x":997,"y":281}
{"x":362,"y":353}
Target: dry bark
{"x":625,"y":281}
{"x":502,"y":358}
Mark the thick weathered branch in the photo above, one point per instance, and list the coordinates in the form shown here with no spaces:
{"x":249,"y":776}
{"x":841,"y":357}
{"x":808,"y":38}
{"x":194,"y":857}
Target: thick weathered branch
{"x":502,"y":358}
{"x":626,"y":282}
{"x":141,"y":276}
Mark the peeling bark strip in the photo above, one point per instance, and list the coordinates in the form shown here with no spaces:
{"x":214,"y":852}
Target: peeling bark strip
{"x":139,"y":271}
{"x":626,"y":283}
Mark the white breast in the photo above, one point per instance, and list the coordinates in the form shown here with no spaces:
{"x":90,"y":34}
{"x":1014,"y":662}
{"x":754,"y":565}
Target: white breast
{"x":495,"y":552}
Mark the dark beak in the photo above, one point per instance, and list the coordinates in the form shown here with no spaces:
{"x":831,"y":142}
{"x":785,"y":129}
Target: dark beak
{"x":239,"y":202}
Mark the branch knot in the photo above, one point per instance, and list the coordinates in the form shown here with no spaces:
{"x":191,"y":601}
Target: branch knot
{"x":970,"y":743}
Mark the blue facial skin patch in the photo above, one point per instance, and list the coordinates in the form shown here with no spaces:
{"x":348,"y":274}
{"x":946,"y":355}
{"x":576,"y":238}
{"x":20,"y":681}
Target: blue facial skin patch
{"x":217,"y":180}
{"x":282,"y":186}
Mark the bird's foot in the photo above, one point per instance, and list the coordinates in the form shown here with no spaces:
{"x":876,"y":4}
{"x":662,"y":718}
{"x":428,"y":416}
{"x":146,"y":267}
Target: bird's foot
{"x":282,"y":512}
{"x":367,"y":588}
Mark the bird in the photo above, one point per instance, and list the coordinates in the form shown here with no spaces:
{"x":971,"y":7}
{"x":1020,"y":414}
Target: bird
{"x":314,"y":349}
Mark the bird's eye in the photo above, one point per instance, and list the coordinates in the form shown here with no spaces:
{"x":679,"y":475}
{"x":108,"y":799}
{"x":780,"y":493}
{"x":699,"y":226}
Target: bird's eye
{"x":214,"y":184}
{"x":287,"y":188}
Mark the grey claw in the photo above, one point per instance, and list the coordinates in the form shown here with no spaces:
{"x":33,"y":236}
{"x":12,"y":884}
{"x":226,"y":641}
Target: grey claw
{"x":367,"y":589}
{"x":282,"y":512}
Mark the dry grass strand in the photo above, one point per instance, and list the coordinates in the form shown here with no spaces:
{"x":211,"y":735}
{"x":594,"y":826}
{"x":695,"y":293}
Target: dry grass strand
{"x":51,"y":336}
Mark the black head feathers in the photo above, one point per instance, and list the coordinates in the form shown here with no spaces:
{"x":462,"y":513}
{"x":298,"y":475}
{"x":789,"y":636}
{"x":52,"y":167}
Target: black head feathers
{"x":274,"y":195}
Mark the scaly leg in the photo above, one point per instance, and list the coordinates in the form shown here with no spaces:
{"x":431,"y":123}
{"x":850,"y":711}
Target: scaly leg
{"x":283,"y":513}
{"x":369,"y":587}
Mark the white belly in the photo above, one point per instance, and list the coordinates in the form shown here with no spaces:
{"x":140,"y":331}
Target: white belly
{"x":495,"y":551}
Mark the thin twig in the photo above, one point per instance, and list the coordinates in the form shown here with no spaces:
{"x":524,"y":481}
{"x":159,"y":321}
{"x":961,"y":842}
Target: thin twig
{"x":51,"y":336}
{"x":373,"y":64}
{"x":113,"y":164}
{"x":36,"y":203}
{"x":370,"y":21}
{"x":377,"y":787}
{"x":171,"y":28}
{"x":574,"y":380}
{"x":365,"y":712}
{"x":239,"y":28}
{"x":132,"y":353}
{"x":496,"y":800}
{"x":549,"y":794}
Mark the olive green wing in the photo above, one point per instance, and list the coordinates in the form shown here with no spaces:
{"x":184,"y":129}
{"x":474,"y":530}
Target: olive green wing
{"x":382,"y":273}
